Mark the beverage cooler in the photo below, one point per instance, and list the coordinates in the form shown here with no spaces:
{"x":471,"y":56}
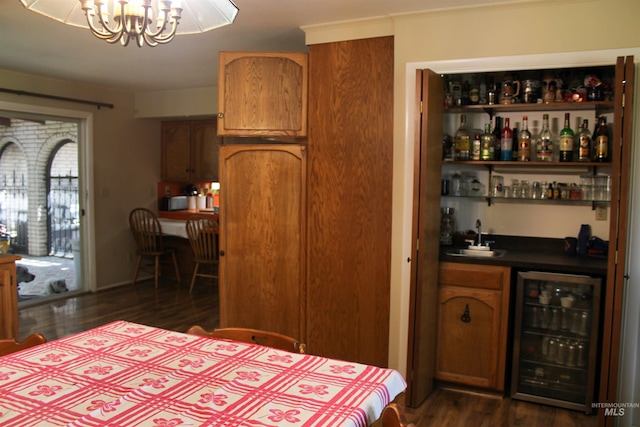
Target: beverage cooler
{"x":556,"y":339}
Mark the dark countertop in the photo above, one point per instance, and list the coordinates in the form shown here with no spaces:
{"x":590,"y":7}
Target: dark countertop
{"x":532,"y":253}
{"x":185,"y":214}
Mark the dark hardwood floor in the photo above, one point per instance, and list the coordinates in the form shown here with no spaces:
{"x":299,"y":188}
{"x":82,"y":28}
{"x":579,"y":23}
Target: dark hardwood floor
{"x":172,"y":307}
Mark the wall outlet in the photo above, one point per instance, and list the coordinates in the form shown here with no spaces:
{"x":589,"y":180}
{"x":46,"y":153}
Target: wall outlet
{"x":167,"y":191}
{"x":601,"y":213}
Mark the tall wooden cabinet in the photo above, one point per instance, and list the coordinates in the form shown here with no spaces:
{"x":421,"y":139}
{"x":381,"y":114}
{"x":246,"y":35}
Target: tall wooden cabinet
{"x":262,"y":94}
{"x":189,"y":151}
{"x":350,"y":177}
{"x":339,"y":303}
{"x":8,"y":297}
{"x":262,"y":237}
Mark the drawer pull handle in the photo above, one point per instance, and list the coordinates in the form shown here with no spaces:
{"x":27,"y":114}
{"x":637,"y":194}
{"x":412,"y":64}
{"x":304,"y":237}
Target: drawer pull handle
{"x":466,"y":318}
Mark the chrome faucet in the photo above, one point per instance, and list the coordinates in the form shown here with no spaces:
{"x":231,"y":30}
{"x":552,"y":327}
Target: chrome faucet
{"x":479,"y":227}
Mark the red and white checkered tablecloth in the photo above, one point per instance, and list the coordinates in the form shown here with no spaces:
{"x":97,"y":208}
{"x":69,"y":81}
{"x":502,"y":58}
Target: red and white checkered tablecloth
{"x":126,"y":374}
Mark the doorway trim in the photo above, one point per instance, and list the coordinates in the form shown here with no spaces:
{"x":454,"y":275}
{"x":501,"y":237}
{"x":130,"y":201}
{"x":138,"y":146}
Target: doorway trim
{"x":85,"y":175}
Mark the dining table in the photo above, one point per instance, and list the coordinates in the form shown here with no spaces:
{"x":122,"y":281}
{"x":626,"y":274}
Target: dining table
{"x":128,"y":374}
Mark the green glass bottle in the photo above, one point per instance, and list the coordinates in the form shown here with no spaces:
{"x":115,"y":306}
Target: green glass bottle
{"x":565,"y":144}
{"x":487,"y":143}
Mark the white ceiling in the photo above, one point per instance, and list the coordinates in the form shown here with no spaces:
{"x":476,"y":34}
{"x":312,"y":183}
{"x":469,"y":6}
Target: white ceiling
{"x":34,"y":44}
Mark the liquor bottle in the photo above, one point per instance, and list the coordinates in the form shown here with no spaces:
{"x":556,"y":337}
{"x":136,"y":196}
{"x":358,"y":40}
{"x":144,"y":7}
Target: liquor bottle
{"x":492,"y":93}
{"x":456,"y":92}
{"x":544,"y":145}
{"x":514,"y":144}
{"x":497,"y":133}
{"x":465,"y":92}
{"x":474,"y":91}
{"x":601,"y":142}
{"x":483,"y":91}
{"x":448,"y":148}
{"x":506,"y":141}
{"x":462,"y":140}
{"x":475,"y":145}
{"x":524,"y":142}
{"x":487,"y":143}
{"x":566,"y":141}
{"x":584,"y":143}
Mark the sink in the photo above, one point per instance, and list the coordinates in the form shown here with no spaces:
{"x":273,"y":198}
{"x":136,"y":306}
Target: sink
{"x":474,"y":253}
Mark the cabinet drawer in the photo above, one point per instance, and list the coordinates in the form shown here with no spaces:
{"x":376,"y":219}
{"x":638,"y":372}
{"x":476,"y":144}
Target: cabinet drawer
{"x":474,"y":275}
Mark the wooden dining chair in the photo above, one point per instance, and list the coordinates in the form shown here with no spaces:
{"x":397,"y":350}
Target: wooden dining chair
{"x":253,"y":336}
{"x":11,"y":346}
{"x":202,"y":231}
{"x":393,"y":416}
{"x":147,"y":233}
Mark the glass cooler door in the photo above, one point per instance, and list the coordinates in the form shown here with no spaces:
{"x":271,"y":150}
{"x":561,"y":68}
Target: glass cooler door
{"x":556,"y":339}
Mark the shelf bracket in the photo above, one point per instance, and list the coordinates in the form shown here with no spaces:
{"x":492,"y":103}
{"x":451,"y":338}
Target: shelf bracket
{"x":489,"y":111}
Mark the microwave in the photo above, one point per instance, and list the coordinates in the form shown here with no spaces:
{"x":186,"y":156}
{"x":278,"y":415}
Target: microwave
{"x":175,"y":203}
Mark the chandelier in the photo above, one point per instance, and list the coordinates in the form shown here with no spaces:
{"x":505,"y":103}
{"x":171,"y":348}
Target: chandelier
{"x":152,"y":22}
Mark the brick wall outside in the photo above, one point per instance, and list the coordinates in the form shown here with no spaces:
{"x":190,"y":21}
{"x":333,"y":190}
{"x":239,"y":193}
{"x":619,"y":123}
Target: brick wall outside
{"x":26,"y":147}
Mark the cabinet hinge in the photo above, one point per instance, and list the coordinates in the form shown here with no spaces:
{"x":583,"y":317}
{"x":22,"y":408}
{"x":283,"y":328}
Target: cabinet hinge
{"x":623,"y":99}
{"x":417,"y":244}
{"x":420,"y":107}
{"x":616,"y":258}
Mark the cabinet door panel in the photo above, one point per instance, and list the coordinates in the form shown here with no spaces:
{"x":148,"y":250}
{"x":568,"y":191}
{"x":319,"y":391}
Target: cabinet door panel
{"x":176,"y":152}
{"x":262,"y":218}
{"x":468,"y":336}
{"x":350,"y":198}
{"x":204,"y":155}
{"x":263,"y":94}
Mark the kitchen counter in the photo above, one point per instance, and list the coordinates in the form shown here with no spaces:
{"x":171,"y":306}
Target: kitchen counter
{"x":175,"y":235}
{"x":532,"y":253}
{"x":185,"y":214}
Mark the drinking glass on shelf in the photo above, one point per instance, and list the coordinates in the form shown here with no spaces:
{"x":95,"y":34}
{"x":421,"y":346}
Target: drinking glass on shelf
{"x":515,"y":188}
{"x":536,"y":190}
{"x":586,"y":184}
{"x":497,"y":184}
{"x":602,"y":187}
{"x":525,"y":189}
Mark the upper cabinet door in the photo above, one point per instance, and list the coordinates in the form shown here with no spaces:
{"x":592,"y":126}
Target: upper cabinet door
{"x":204,"y":151}
{"x":176,"y":146}
{"x":262,"y":94}
{"x":190,"y":151}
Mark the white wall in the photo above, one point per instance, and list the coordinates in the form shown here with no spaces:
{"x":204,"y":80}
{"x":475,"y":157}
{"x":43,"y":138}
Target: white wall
{"x":192,"y":103}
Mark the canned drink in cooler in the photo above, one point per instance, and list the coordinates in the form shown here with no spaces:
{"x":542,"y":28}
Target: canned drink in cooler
{"x":571,"y":354}
{"x":552,"y":352}
{"x":561,"y":357}
{"x":582,"y":355}
{"x":584,"y":323}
